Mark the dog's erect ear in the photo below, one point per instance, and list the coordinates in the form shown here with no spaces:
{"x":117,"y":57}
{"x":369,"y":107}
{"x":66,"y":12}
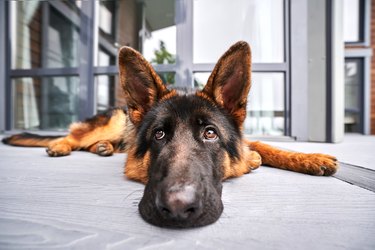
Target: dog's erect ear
{"x":229,"y":83}
{"x":142,"y":86}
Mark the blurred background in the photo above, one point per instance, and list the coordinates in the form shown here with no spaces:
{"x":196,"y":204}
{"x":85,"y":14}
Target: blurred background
{"x":313,"y":73}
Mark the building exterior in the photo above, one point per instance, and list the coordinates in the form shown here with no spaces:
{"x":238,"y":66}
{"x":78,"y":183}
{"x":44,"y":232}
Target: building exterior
{"x":313,"y":70}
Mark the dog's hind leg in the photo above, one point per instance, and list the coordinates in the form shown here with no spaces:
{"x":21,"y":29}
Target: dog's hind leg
{"x":98,"y":135}
{"x":313,"y":164}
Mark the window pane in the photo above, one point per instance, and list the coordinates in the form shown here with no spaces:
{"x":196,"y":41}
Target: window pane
{"x":105,"y":58}
{"x":26,"y":34}
{"x":63,"y":37}
{"x":218,"y":24}
{"x":107,"y":44}
{"x":353,"y":79}
{"x":147,"y":26}
{"x":265,"y":107}
{"x":200,"y":79}
{"x":105,"y":87}
{"x":351,"y":20}
{"x":168,"y":78}
{"x":45,"y":103}
{"x":58,"y":38}
{"x":158,"y":34}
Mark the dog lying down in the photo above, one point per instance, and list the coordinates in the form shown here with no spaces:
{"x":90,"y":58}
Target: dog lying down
{"x":182,"y":147}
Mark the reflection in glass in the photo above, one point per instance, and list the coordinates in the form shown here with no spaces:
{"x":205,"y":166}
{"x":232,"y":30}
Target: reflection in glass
{"x":158,"y":41}
{"x":353,"y":69}
{"x":26,"y":34}
{"x":200,"y":79}
{"x":158,"y":30}
{"x":105,"y":92}
{"x":265,"y":106}
{"x":351,"y":21}
{"x":217,"y":24}
{"x":105,"y":58}
{"x":168,"y":78}
{"x":145,"y":25}
{"x":45,"y":103}
{"x":107,"y":16}
{"x":63,"y":37}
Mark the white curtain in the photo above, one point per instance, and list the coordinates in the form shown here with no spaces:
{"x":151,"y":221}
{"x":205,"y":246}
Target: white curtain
{"x":24,"y":13}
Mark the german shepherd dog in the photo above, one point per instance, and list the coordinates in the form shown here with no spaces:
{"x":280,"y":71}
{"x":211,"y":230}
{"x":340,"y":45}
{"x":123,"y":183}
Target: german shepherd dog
{"x":180,"y":146}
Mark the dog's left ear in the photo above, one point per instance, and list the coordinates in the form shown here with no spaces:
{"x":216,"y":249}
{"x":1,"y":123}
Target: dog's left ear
{"x":229,"y":83}
{"x":142,"y":86}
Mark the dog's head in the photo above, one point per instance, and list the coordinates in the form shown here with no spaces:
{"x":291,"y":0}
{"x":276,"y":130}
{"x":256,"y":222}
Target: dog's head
{"x":185,"y":145}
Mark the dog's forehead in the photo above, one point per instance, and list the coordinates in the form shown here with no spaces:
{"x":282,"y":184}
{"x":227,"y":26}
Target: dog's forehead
{"x":187,"y":106}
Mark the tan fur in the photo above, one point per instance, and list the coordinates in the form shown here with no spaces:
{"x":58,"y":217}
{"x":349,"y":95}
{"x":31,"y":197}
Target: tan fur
{"x":136,"y":168}
{"x":249,"y":160}
{"x":82,"y":138}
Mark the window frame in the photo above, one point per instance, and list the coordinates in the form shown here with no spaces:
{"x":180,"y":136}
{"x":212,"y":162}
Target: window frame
{"x":364,"y":23}
{"x":90,"y":41}
{"x":185,"y":48}
{"x":363,"y":51}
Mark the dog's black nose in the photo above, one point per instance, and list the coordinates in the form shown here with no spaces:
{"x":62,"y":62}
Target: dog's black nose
{"x":180,"y":202}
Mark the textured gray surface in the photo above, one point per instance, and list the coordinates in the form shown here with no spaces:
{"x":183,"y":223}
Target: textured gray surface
{"x":83,"y":201}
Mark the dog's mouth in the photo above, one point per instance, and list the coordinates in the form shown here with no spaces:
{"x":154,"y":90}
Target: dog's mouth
{"x":181,"y":206}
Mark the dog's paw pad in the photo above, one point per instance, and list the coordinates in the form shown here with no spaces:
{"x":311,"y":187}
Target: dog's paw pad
{"x":104,"y":149}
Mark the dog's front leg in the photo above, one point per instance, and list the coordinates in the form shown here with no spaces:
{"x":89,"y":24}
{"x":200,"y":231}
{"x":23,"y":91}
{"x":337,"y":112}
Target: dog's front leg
{"x":314,"y":164}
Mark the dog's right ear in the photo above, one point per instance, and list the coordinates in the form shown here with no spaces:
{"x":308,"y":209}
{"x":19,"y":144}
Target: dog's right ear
{"x":142,"y":86}
{"x":229,"y":83}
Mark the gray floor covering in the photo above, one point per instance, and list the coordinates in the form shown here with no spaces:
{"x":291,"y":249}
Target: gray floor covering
{"x":83,"y":201}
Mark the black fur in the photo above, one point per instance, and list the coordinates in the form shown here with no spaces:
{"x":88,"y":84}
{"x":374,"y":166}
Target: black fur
{"x":184,"y":120}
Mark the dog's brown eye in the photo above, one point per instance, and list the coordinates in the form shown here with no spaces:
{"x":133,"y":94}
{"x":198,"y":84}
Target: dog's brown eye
{"x":210,"y":134}
{"x":159,"y":135}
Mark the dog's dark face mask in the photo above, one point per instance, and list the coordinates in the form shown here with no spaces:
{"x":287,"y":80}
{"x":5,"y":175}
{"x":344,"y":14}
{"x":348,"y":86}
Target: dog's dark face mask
{"x":187,"y":138}
{"x":184,"y":140}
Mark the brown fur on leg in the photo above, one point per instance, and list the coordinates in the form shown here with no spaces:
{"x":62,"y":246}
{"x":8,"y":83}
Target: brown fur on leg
{"x":314,"y":164}
{"x":98,"y":135}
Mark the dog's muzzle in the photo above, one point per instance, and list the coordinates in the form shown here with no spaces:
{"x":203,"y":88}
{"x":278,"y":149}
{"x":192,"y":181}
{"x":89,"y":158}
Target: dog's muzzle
{"x":181,"y":205}
{"x":180,"y":202}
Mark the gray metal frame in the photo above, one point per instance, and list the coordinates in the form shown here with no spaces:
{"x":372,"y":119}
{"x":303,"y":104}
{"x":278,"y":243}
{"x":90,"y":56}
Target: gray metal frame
{"x":87,"y":91}
{"x":85,"y":70}
{"x":3,"y":70}
{"x":365,"y":23}
{"x":365,"y":55}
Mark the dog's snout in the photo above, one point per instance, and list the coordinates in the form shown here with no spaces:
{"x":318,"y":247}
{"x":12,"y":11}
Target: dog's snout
{"x":180,"y":202}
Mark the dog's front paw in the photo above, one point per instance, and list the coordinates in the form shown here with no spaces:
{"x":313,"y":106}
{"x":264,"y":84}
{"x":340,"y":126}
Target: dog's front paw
{"x":255,"y":160}
{"x":319,"y":164}
{"x":58,"y":149}
{"x":104,"y":148}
